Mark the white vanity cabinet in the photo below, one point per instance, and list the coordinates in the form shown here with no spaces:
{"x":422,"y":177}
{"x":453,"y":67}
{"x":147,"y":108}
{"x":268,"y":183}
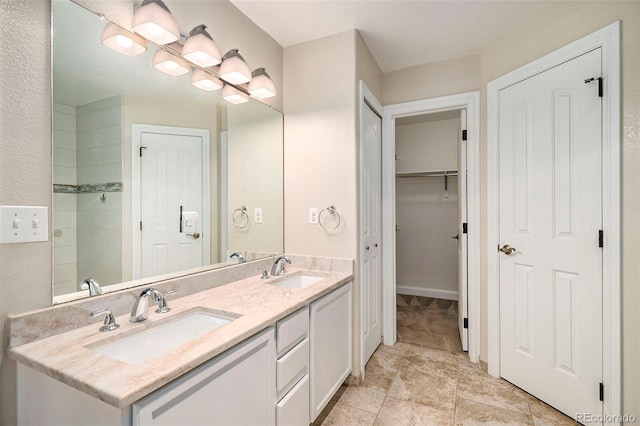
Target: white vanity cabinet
{"x":330,"y":345}
{"x":292,"y":369}
{"x":235,"y":388}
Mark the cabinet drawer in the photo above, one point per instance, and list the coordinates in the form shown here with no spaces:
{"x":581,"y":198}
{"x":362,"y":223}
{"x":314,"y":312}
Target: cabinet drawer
{"x":292,"y":366}
{"x":291,"y":330}
{"x":293,"y":409}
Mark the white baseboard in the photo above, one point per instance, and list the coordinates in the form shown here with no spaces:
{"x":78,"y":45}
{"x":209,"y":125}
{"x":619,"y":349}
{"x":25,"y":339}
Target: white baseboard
{"x":427,"y":292}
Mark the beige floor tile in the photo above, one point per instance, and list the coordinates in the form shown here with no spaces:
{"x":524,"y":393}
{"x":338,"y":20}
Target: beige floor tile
{"x":478,"y":386}
{"x":425,"y":385}
{"x":440,"y":361}
{"x":476,"y":413}
{"x":405,"y":413}
{"x":342,"y":415}
{"x":544,"y":414}
{"x":383,"y":367}
{"x":367,"y":398}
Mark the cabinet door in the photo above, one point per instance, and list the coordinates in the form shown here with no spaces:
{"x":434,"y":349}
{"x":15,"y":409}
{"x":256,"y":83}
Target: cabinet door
{"x":331,"y":339}
{"x":235,"y":388}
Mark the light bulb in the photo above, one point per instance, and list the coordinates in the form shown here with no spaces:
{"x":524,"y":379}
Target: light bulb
{"x":170,"y":65}
{"x":123,"y":41}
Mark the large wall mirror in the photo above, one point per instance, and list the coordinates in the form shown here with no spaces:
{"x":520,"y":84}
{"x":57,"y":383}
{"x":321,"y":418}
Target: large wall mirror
{"x":152,"y":176}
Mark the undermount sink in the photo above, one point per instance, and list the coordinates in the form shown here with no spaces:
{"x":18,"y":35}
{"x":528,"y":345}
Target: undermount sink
{"x":298,"y":281}
{"x":159,"y":340}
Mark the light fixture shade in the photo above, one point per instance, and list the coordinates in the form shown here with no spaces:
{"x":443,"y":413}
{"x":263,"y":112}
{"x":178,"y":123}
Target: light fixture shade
{"x":233,"y":95}
{"x":205,"y":81}
{"x":154,"y":21}
{"x":169,"y":63}
{"x":234,"y":69}
{"x":201,"y":49}
{"x":122,"y":41}
{"x":261,"y":85}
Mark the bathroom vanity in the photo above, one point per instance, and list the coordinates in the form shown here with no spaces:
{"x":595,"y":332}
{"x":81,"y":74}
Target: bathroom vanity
{"x":281,"y":352}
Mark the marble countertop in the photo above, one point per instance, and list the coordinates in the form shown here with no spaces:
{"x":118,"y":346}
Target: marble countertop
{"x":69,"y":358}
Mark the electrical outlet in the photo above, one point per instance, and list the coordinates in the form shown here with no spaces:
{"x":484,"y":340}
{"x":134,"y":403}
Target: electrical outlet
{"x":258,"y":215}
{"x":23,"y":224}
{"x":313,"y":215}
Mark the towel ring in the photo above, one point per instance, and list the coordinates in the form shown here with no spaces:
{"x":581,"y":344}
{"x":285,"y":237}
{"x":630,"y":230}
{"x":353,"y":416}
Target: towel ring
{"x":332,"y":211}
{"x":240,"y":217}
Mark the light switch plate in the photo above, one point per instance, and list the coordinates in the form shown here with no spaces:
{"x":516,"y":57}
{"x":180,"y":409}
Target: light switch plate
{"x":258,"y":215}
{"x":23,"y":224}
{"x":313,"y":215}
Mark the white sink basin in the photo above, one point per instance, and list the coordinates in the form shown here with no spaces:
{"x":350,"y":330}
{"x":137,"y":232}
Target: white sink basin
{"x":298,"y":281}
{"x":159,"y":340}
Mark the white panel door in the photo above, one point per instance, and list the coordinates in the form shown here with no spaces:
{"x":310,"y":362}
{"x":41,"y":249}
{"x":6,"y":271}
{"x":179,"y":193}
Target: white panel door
{"x":463,"y":311}
{"x":551,"y":214}
{"x":171,"y":177}
{"x":371,"y":280}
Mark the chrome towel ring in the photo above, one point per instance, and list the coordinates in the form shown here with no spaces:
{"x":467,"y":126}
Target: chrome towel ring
{"x":333,"y":212}
{"x":240,"y":217}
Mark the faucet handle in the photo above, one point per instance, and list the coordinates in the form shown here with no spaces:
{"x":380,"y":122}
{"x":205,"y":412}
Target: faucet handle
{"x":265,"y":274}
{"x":109,"y":321}
{"x":162,"y":302}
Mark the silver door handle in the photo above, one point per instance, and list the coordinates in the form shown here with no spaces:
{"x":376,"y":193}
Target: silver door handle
{"x":507,"y":249}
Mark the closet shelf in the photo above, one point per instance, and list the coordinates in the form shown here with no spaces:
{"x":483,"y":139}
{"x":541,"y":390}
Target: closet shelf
{"x":431,"y":173}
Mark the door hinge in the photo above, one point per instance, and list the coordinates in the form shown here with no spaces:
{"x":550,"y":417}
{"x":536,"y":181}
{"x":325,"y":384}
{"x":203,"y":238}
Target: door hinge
{"x":464,"y":135}
{"x":600,"y":84}
{"x":601,"y":238}
{"x":466,"y":323}
{"x":464,"y":228}
{"x":601,"y":391}
{"x":141,"y":225}
{"x":141,"y":148}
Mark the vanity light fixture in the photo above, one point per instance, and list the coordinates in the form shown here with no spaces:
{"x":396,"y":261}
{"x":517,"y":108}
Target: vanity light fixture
{"x":169,"y":63}
{"x":154,"y":21}
{"x":233,"y":95}
{"x":234,"y":69}
{"x":261,"y":85}
{"x":205,"y":81}
{"x":123,"y":41}
{"x":201,"y":49}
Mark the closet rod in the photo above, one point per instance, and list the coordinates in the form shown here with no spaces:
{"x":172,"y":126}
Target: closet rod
{"x":439,"y":173}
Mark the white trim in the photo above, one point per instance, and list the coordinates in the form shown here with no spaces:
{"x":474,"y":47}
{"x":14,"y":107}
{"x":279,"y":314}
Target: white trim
{"x":366,"y":99}
{"x":608,"y":38}
{"x":435,"y":293}
{"x":471,"y":102}
{"x":224,"y":195}
{"x":136,"y":166}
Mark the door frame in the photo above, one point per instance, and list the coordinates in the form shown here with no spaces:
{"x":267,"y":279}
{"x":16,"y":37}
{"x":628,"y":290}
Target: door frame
{"x":607,"y":38}
{"x":471,"y":102}
{"x":136,"y":190}
{"x":366,"y":100}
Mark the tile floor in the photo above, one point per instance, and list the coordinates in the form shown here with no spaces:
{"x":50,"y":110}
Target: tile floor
{"x":426,"y":379}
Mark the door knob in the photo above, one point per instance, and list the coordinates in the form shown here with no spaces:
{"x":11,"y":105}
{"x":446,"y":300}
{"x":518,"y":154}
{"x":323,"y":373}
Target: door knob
{"x":507,"y":249}
{"x":195,"y":235}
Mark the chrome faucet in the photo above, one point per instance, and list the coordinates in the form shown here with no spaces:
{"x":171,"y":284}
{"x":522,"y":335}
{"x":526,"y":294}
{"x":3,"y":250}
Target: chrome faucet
{"x":109,"y":321}
{"x":91,"y":285}
{"x":278,"y":267}
{"x":237,"y":255}
{"x":140,"y":310}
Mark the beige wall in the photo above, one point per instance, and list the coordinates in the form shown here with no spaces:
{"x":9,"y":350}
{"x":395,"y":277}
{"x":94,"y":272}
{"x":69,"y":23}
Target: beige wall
{"x":25,"y":131}
{"x":556,"y":27}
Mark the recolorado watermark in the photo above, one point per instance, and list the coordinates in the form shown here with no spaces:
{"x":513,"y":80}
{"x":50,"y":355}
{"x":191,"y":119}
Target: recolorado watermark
{"x":586,"y":418}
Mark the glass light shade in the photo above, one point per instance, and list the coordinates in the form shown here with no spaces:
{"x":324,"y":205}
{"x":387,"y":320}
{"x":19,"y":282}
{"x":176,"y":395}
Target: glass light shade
{"x":234,"y":69}
{"x":122,"y":41}
{"x":154,"y":22}
{"x":233,"y":95}
{"x":170,"y":64}
{"x":201,"y":49}
{"x":205,"y":81}
{"x":261,"y":85}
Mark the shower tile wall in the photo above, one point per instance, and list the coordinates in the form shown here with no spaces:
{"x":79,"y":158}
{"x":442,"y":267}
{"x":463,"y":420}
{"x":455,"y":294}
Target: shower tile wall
{"x":64,"y":205}
{"x":99,"y":161}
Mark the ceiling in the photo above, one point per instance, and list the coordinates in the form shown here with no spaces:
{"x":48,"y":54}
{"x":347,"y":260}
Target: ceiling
{"x":399,"y":33}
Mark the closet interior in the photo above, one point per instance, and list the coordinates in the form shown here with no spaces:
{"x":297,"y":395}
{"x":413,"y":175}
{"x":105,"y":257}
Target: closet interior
{"x":428,"y":213}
